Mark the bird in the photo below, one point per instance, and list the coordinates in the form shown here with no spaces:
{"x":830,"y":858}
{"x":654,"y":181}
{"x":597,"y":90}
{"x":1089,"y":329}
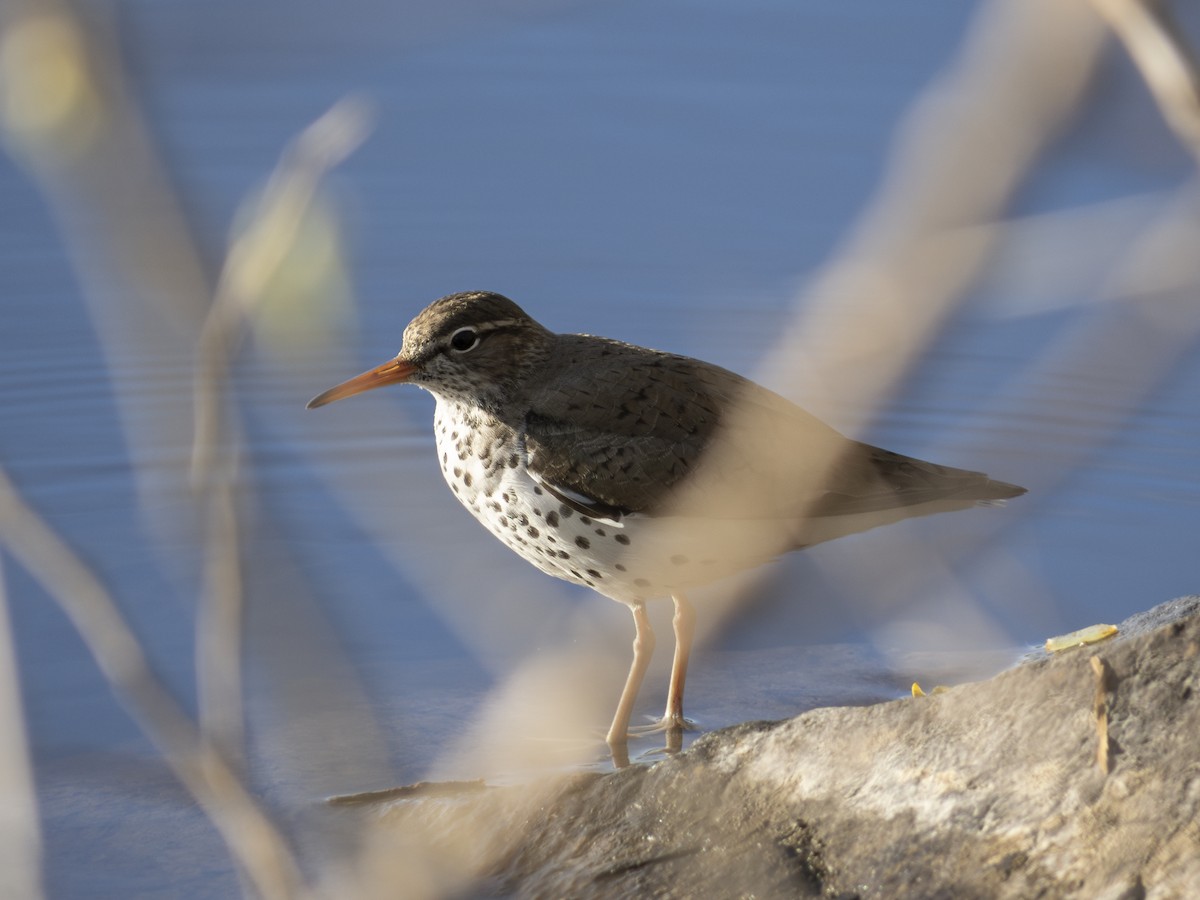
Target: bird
{"x":639,"y":473}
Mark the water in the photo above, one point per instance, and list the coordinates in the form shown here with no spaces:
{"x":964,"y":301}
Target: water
{"x":666,"y":175}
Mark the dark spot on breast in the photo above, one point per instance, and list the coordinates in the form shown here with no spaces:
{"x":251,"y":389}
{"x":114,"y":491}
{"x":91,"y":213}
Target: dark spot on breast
{"x":457,"y":472}
{"x":584,"y":520}
{"x":582,"y":542}
{"x":679,"y":559}
{"x":524,"y":520}
{"x":563,"y":554}
{"x":620,"y":568}
{"x":445,"y":458}
{"x":537,"y":490}
{"x":537,"y":512}
{"x":512,"y":461}
{"x":533,"y":532}
{"x":565,"y":511}
{"x":641,"y":582}
{"x":594,"y":573}
{"x":621,"y":539}
{"x":552,"y":519}
{"x":467,"y":479}
{"x":600,"y":532}
{"x":505,"y":497}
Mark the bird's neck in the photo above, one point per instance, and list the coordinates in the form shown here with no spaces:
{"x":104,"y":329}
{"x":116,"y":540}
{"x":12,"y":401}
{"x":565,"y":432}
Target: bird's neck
{"x":467,"y":413}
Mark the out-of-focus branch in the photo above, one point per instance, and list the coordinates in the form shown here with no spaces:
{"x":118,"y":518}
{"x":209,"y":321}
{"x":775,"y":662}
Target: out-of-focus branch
{"x":248,"y":834}
{"x":20,"y":839}
{"x":1155,"y":277}
{"x":962,"y":152}
{"x":68,"y":113}
{"x":253,"y":260}
{"x":1165,"y":61}
{"x":257,"y":255}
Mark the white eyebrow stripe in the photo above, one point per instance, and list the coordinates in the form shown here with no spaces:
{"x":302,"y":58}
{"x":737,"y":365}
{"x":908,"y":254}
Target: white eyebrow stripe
{"x":482,"y":328}
{"x":492,"y":326}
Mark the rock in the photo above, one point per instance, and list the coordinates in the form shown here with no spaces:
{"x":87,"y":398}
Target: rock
{"x":1062,"y":777}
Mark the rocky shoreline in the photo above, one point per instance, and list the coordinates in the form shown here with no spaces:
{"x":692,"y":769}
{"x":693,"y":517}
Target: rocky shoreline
{"x":1076,"y":775}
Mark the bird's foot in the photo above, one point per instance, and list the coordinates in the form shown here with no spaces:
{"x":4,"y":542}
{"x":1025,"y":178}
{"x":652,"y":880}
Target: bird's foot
{"x":672,"y":726}
{"x":672,"y":735}
{"x":666,"y":723}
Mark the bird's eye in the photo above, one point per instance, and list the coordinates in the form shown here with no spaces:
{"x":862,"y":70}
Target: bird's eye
{"x":466,"y":338}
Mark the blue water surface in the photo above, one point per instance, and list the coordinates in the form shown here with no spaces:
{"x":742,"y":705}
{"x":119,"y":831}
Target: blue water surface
{"x":668,"y":174}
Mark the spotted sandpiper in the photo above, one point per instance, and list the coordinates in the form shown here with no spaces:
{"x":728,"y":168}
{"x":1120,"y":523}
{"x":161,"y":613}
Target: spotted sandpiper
{"x":639,"y":473}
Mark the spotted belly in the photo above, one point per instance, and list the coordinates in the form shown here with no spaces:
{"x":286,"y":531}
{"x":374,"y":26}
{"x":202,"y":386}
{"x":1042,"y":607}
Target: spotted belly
{"x":630,"y":559}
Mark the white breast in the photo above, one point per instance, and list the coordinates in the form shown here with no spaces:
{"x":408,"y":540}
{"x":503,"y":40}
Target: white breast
{"x":637,"y":558}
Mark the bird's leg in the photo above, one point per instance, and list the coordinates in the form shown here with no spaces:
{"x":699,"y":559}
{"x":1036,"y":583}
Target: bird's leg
{"x":643,"y":649}
{"x":684,"y":625}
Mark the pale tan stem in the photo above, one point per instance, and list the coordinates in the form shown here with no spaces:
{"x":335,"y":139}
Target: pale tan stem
{"x":253,"y":259}
{"x":249,"y":835}
{"x":1166,"y":63}
{"x":20,"y":835}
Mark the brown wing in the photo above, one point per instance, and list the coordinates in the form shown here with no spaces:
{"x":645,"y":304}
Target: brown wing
{"x":630,"y":425}
{"x":624,"y":429}
{"x":628,"y":431}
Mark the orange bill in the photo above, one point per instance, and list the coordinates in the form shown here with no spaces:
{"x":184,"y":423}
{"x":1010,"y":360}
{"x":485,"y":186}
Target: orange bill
{"x":394,"y":371}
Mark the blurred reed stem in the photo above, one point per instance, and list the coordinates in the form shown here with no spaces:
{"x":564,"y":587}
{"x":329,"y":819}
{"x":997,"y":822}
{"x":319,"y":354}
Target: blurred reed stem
{"x":251,"y":839}
{"x":1168,"y":65}
{"x":20,"y":835}
{"x":254,"y":259}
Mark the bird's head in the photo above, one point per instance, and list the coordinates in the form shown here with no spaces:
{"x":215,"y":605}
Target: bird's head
{"x":474,"y":347}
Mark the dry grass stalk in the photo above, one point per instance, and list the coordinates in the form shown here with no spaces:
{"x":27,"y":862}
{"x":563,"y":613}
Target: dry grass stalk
{"x":20,"y":837}
{"x":252,"y":840}
{"x":253,"y":260}
{"x":1164,"y":59}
